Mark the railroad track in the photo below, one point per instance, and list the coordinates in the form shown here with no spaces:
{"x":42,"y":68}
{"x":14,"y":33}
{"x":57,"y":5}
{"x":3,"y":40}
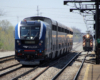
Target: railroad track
{"x":78,"y":72}
{"x":9,"y":66}
{"x":48,"y":65}
{"x":44,"y":70}
{"x":29,"y":71}
{"x":87,"y":61}
{"x":12,"y":70}
{"x":16,"y":78}
{"x":15,"y":69}
{"x":45,"y":64}
{"x":7,"y":58}
{"x":58,"y":74}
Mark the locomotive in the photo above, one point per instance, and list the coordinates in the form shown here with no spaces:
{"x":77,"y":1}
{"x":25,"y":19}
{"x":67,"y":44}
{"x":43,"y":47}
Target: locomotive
{"x":87,"y":42}
{"x":40,"y":38}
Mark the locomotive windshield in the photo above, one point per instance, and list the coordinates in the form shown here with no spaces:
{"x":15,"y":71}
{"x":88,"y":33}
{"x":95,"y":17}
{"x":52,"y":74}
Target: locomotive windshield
{"x":30,"y":32}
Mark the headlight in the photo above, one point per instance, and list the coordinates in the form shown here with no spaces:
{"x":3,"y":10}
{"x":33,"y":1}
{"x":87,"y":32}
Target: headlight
{"x":18,"y":50}
{"x":17,"y":41}
{"x":31,"y":38}
{"x":41,"y":41}
{"x":87,"y":36}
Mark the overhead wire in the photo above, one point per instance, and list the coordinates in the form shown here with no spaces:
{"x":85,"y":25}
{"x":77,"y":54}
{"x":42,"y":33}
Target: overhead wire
{"x":80,"y":13}
{"x":33,"y":7}
{"x":49,"y":9}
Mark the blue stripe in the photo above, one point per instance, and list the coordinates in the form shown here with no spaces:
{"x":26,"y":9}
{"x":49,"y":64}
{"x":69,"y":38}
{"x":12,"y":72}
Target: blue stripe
{"x":43,"y":32}
{"x":43,"y":36}
{"x":16,"y":32}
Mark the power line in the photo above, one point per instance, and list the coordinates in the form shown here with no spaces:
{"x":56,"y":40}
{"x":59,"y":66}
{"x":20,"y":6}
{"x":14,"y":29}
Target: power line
{"x":31,"y":8}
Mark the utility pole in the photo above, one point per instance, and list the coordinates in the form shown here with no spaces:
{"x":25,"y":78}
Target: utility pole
{"x":97,"y":33}
{"x":97,"y":19}
{"x":37,"y":11}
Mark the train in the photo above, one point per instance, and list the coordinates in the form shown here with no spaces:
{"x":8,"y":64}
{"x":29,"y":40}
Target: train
{"x":88,"y":42}
{"x":39,"y":38}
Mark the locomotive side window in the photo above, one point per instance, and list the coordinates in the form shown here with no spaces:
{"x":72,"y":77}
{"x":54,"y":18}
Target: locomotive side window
{"x":54,"y":27}
{"x":59,"y":29}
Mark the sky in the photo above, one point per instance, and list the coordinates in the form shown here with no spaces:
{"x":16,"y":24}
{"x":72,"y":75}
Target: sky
{"x":17,"y":10}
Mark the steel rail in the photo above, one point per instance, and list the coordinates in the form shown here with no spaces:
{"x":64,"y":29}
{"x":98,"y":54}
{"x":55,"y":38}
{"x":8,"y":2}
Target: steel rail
{"x":10,"y":71}
{"x":55,"y":77}
{"x":6,"y":60}
{"x":57,"y":61}
{"x":16,"y":78}
{"x":7,"y":56}
{"x":44,"y":70}
{"x":9,"y":66}
{"x":77,"y":74}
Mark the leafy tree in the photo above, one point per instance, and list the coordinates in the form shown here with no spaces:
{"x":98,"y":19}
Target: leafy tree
{"x":5,"y":25}
{"x":6,"y":35}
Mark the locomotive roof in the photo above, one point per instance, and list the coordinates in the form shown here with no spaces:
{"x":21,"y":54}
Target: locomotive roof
{"x":42,"y":19}
{"x":70,"y":29}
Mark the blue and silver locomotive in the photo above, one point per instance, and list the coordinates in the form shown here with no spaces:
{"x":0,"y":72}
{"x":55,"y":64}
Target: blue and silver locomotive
{"x":40,"y":38}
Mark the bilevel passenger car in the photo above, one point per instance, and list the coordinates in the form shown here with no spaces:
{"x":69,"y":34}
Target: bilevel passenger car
{"x":87,"y":42}
{"x":40,"y":38}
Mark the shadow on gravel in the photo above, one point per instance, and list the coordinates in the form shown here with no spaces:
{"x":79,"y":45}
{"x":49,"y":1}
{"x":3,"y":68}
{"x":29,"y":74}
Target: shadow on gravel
{"x":61,"y":61}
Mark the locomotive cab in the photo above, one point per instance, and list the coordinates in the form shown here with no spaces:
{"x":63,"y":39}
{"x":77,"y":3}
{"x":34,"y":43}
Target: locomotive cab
{"x":29,"y":42}
{"x":87,"y":42}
